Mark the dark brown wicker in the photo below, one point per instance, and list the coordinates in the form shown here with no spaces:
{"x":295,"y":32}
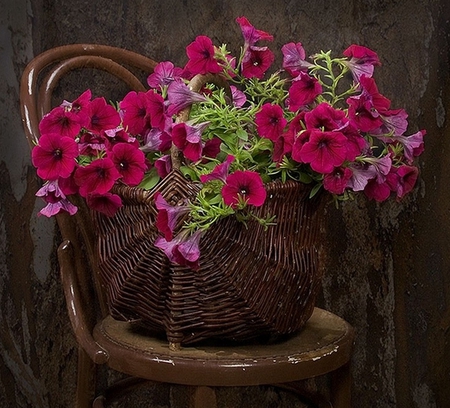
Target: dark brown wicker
{"x":251,"y":282}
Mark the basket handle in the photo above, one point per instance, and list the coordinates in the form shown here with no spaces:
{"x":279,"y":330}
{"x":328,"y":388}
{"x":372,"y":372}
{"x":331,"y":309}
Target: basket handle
{"x":196,"y":84}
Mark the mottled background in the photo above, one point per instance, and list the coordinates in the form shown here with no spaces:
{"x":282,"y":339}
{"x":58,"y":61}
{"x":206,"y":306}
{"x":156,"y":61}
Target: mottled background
{"x":387,"y":266}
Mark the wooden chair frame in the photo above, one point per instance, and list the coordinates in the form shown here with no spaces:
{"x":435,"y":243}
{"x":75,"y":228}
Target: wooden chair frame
{"x":104,"y":341}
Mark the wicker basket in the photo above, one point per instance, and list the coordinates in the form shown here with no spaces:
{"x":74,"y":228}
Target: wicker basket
{"x":251,"y":282}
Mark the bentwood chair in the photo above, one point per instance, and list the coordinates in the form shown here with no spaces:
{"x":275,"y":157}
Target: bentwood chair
{"x":323,"y":346}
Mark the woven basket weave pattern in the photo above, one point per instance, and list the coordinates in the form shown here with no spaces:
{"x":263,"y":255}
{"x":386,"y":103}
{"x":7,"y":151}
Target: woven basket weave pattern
{"x":251,"y":281}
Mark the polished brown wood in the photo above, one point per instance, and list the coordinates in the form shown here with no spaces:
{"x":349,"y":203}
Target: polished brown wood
{"x":323,"y":346}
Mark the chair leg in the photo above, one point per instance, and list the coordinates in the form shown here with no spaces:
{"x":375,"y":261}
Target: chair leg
{"x":204,"y":397}
{"x":341,"y":382}
{"x":308,"y":397}
{"x":86,"y":376}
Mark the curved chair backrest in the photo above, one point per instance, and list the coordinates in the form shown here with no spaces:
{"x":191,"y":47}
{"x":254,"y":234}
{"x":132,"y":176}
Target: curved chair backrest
{"x":39,"y":81}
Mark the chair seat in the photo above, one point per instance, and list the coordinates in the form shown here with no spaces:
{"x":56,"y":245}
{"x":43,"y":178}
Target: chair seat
{"x":322,"y":346}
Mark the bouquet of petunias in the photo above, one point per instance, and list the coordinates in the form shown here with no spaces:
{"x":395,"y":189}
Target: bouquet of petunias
{"x":319,"y":120}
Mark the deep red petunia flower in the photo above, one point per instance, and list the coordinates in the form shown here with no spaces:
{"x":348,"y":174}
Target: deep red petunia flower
{"x":303,"y":91}
{"x":188,"y":138}
{"x":98,"y":177}
{"x":201,"y":57}
{"x":54,"y":156}
{"x":134,"y":112}
{"x":256,"y":61}
{"x":244,"y":185}
{"x":61,"y":121}
{"x":270,"y":121}
{"x":130,"y":162}
{"x":168,"y":215}
{"x":102,"y":116}
{"x":324,"y":151}
{"x":107,"y":204}
{"x":336,"y":181}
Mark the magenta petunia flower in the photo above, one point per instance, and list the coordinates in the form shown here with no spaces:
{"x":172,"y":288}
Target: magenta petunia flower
{"x":188,"y":138}
{"x":251,"y":34}
{"x":156,"y":110}
{"x":239,"y":97}
{"x":180,"y":97}
{"x":98,"y":177}
{"x":156,"y":140}
{"x":182,"y":250}
{"x":211,"y":148}
{"x":163,"y":74}
{"x":402,"y":179}
{"x":300,"y":139}
{"x":361,"y":174}
{"x":324,"y":151}
{"x":62,"y":121}
{"x":326,"y":117}
{"x":303,"y":91}
{"x":362,"y":61}
{"x":294,"y":59}
{"x":163,"y":165}
{"x":220,"y":172}
{"x":102,"y":116}
{"x":134,"y":108}
{"x":54,"y":156}
{"x":130,"y":162}
{"x":201,"y":57}
{"x":270,"y":121}
{"x":91,"y":144}
{"x":168,"y":215}
{"x":244,"y":185}
{"x":378,"y":191}
{"x":52,"y":193}
{"x":107,"y":204}
{"x":256,"y":61}
{"x":336,"y":181}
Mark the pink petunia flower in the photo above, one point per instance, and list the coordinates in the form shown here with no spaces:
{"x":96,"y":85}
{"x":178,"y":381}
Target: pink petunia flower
{"x":402,"y":179}
{"x":182,"y":250}
{"x":220,"y":172}
{"x":54,"y":156}
{"x":98,"y":177}
{"x":107,"y":203}
{"x":211,"y":148}
{"x":188,"y":138}
{"x":250,"y":33}
{"x":102,"y":116}
{"x":52,"y":193}
{"x":270,"y":121}
{"x":239,"y":97}
{"x":324,"y":151}
{"x":163,"y":74}
{"x":303,"y":91}
{"x":163,"y":165}
{"x":361,"y":174}
{"x":130,"y":162}
{"x":134,"y":109}
{"x":244,"y":185}
{"x":294,"y":59}
{"x":256,"y":61}
{"x":326,"y":117}
{"x":156,"y":110}
{"x":61,"y":121}
{"x":168,"y":215}
{"x":201,"y":57}
{"x":156,"y":140}
{"x":180,"y":97}
{"x":362,"y":61}
{"x":378,"y":191}
{"x":336,"y":181}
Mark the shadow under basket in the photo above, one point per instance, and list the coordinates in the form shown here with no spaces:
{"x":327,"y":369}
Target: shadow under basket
{"x":251,"y":282}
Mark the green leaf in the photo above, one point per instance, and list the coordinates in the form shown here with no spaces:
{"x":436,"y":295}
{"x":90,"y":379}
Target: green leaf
{"x":150,"y":180}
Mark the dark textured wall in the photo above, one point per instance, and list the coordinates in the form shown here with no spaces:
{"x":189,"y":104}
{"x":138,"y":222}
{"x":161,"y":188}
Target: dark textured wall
{"x":387,"y":266}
